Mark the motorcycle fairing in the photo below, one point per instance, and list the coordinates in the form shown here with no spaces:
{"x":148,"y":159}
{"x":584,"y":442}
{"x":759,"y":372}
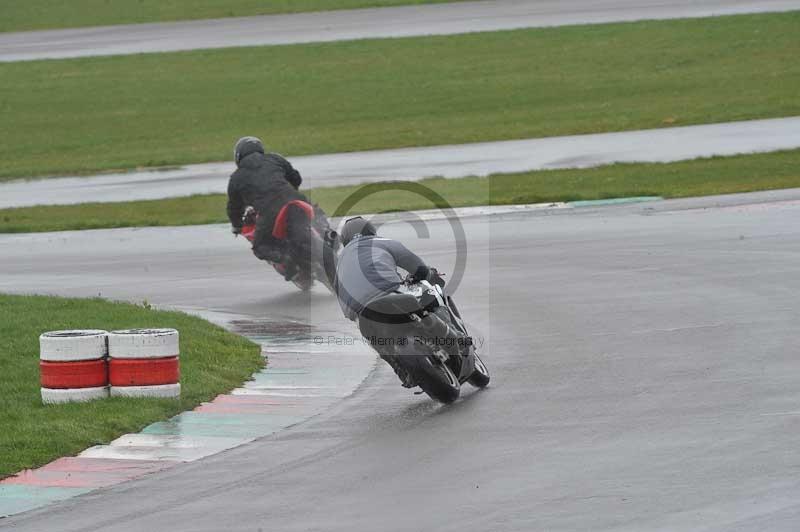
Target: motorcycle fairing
{"x":280,"y":228}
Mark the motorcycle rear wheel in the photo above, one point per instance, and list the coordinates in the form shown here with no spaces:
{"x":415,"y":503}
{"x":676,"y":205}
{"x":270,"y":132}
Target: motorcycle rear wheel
{"x":305,"y":257}
{"x":480,"y":377}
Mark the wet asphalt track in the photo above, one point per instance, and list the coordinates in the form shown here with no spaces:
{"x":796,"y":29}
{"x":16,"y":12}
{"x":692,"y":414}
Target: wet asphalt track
{"x":645,"y":378}
{"x":479,"y":158}
{"x":404,"y":21}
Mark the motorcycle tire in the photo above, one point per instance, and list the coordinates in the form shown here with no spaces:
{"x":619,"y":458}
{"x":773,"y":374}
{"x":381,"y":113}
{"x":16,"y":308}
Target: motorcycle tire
{"x":318,"y":247}
{"x":304,"y":284}
{"x":480,"y":377}
{"x":304,"y":257}
{"x":435,"y":379}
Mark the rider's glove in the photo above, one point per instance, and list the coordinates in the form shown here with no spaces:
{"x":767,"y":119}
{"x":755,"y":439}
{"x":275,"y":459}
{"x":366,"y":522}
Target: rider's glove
{"x":236,"y":230}
{"x":421,"y":274}
{"x":435,"y":277}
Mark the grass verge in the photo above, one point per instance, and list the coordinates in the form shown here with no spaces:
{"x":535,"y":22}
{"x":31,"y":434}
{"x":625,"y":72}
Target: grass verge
{"x":213,"y":361}
{"x":105,"y":113}
{"x":700,"y":177}
{"x":24,"y":15}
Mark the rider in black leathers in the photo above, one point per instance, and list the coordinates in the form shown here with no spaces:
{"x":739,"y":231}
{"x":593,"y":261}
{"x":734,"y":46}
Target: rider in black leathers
{"x":266,"y":182}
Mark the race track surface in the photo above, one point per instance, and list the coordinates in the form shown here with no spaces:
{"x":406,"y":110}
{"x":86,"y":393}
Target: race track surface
{"x":477,"y":159}
{"x":644,"y":366}
{"x":407,"y":21}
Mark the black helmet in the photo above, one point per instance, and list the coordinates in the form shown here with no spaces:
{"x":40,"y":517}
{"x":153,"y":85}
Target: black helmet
{"x":245,"y":146}
{"x":354,"y":227}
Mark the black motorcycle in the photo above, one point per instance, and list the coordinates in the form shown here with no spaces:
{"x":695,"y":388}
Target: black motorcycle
{"x":420,"y":333}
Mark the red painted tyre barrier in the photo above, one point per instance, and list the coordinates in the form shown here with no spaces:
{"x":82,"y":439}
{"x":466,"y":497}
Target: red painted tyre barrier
{"x":81,"y":374}
{"x":144,"y":371}
{"x":73,"y":366}
{"x":144,"y":363}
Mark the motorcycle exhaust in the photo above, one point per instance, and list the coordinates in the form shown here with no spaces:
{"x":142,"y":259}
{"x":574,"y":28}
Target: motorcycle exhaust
{"x":445,"y":335}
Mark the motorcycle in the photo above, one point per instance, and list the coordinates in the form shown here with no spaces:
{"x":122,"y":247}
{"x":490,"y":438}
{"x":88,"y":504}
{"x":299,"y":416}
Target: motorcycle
{"x":419,"y":331}
{"x":305,"y":262}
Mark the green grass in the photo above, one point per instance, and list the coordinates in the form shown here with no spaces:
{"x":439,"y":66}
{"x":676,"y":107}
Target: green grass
{"x":87,"y":115}
{"x":22,"y":15}
{"x":700,"y":177}
{"x":213,"y":361}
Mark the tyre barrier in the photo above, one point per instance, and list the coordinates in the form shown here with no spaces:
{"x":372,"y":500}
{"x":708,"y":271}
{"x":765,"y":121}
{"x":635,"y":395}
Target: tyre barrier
{"x":70,"y":375}
{"x":144,"y":363}
{"x":164,"y":391}
{"x":73,"y":366}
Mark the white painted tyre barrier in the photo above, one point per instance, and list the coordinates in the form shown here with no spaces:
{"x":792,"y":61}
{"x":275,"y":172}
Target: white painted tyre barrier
{"x":143,"y":343}
{"x":77,"y":395}
{"x":144,"y":363}
{"x":67,"y":346}
{"x":73,"y":366}
{"x":164,"y":391}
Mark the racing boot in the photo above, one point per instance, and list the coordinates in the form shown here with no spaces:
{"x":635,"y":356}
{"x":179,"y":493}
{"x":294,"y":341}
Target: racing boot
{"x":269,"y":253}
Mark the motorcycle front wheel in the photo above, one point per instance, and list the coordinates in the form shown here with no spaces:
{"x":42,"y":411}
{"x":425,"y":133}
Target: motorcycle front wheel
{"x":480,"y":377}
{"x":435,"y":378}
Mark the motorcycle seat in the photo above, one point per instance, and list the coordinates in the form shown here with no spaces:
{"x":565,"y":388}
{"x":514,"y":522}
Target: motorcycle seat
{"x":392,"y":308}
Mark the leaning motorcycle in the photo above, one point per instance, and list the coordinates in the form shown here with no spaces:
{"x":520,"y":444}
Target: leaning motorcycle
{"x":420,"y":333}
{"x":302,"y":262}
